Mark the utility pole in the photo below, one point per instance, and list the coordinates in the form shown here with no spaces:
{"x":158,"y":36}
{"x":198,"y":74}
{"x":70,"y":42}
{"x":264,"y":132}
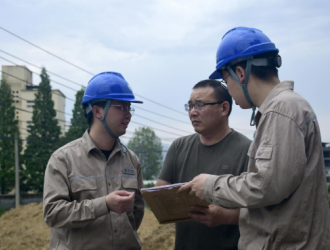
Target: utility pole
{"x":17,"y":195}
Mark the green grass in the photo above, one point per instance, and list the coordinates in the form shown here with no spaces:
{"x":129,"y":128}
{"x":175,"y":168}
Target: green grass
{"x":3,"y":210}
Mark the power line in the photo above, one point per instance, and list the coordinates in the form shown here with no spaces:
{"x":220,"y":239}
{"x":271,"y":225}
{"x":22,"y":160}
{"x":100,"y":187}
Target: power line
{"x":81,"y":85}
{"x":157,"y":129}
{"x":33,"y":85}
{"x":62,"y":59}
{"x":38,"y":74}
{"x":30,"y":100}
{"x":46,"y":51}
{"x":138,"y":107}
{"x":162,"y":124}
{"x":54,"y":109}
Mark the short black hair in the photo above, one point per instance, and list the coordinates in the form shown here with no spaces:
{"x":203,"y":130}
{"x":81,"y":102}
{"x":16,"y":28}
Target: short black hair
{"x":89,"y":116}
{"x":264,"y":73}
{"x":221,"y":93}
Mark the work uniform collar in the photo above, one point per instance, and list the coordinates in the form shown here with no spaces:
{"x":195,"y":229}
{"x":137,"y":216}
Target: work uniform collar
{"x":89,"y":145}
{"x":282,"y":86}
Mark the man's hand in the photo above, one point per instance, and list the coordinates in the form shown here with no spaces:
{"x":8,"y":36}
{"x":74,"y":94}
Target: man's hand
{"x":120,"y":201}
{"x":196,"y":186}
{"x":214,"y":215}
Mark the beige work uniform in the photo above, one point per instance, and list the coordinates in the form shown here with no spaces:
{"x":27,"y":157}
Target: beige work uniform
{"x":77,"y":179}
{"x":283,"y":195}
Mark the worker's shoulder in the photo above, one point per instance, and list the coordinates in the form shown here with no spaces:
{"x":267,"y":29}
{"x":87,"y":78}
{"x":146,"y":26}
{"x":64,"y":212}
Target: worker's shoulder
{"x":186,"y":139}
{"x":291,"y":105}
{"x":68,"y":148}
{"x":239,"y":138}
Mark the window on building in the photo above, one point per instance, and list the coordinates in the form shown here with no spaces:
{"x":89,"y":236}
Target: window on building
{"x":30,"y":101}
{"x":29,"y":106}
{"x":16,"y":91}
{"x":16,"y":101}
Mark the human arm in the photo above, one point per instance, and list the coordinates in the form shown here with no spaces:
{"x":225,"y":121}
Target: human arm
{"x":59,"y":209}
{"x":277,"y":164}
{"x":214,"y":215}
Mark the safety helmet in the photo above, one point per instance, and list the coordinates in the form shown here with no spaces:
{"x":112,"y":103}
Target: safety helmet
{"x":108,"y":85}
{"x":240,"y":43}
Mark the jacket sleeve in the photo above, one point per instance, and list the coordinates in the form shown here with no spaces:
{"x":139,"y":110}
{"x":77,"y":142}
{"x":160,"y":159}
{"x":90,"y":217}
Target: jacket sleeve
{"x":276,"y":166}
{"x":139,"y":201}
{"x":59,"y":209}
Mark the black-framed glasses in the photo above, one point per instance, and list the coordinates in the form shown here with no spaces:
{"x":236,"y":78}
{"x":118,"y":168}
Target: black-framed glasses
{"x":124,"y":108}
{"x":199,"y":106}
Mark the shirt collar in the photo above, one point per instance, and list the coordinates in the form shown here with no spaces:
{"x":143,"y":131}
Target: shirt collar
{"x":89,"y":145}
{"x":282,"y":86}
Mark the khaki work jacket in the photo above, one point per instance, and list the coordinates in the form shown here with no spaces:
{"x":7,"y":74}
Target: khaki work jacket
{"x":283,"y":196}
{"x":77,"y":179}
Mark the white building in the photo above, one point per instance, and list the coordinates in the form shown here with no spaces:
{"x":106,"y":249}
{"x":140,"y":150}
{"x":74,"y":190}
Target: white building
{"x":23,"y":91}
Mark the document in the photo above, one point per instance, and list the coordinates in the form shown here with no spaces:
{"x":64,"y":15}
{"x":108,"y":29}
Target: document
{"x":168,"y":206}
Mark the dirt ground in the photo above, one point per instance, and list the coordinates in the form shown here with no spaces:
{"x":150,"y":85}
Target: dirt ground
{"x":24,"y":228}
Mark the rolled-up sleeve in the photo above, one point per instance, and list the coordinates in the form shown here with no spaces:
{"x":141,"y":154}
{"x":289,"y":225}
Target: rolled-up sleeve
{"x":276,"y":166}
{"x":58,"y":207}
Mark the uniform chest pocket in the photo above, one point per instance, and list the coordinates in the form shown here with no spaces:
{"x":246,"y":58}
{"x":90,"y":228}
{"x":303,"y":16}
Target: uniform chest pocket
{"x":83,"y":189}
{"x":129,"y":182}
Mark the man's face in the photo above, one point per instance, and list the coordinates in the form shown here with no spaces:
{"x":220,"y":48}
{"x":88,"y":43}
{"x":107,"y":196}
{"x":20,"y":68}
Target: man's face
{"x":116,"y":119}
{"x":235,"y":90}
{"x":210,"y":119}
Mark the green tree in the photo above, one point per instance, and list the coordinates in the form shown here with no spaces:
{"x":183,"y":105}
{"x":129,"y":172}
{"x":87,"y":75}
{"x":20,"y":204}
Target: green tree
{"x":147,"y":146}
{"x":8,"y":130}
{"x":43,"y":138}
{"x":78,"y":121}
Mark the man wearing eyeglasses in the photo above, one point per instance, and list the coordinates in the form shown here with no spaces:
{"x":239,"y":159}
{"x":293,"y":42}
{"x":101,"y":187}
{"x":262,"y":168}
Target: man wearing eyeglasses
{"x":92,"y":196}
{"x":215,"y":148}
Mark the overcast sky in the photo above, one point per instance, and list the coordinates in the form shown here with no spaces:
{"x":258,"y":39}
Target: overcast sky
{"x":163,"y":48}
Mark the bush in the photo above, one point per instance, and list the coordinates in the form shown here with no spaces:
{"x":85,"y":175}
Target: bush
{"x":149,"y":185}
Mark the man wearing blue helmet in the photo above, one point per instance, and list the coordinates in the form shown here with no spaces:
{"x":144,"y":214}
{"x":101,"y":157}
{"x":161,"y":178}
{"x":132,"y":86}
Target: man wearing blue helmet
{"x":92,"y":196}
{"x":283,"y":196}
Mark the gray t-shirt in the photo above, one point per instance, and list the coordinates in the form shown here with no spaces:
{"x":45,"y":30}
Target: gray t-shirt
{"x":188,"y":157}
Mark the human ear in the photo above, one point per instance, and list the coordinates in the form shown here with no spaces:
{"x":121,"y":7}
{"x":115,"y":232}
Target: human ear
{"x":225,"y":108}
{"x":240,"y":72}
{"x":98,"y":111}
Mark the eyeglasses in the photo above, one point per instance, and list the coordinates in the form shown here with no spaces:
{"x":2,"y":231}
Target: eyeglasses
{"x":125,"y":109}
{"x":223,"y":81}
{"x":199,"y":106}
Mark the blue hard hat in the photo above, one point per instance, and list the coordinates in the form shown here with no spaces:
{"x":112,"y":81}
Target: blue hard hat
{"x":241,"y":42}
{"x":109,"y":85}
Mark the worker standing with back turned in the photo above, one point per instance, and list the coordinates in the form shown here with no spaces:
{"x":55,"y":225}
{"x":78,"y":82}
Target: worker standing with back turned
{"x":283,"y":197}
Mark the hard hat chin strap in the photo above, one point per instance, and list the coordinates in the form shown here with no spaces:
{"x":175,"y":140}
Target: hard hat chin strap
{"x":105,"y":125}
{"x":244,"y":86}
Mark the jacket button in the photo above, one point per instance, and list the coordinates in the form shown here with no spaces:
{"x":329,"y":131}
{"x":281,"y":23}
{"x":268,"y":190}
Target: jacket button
{"x":115,"y":230}
{"x":109,"y":184}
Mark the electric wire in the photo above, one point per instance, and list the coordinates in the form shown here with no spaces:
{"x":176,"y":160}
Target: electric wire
{"x":33,"y":101}
{"x":34,"y":85}
{"x":138,"y":107}
{"x":62,"y":59}
{"x":52,"y":73}
{"x":45,"y":50}
{"x":157,"y":129}
{"x":246,"y":131}
{"x":161,"y":123}
{"x":39,"y":75}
